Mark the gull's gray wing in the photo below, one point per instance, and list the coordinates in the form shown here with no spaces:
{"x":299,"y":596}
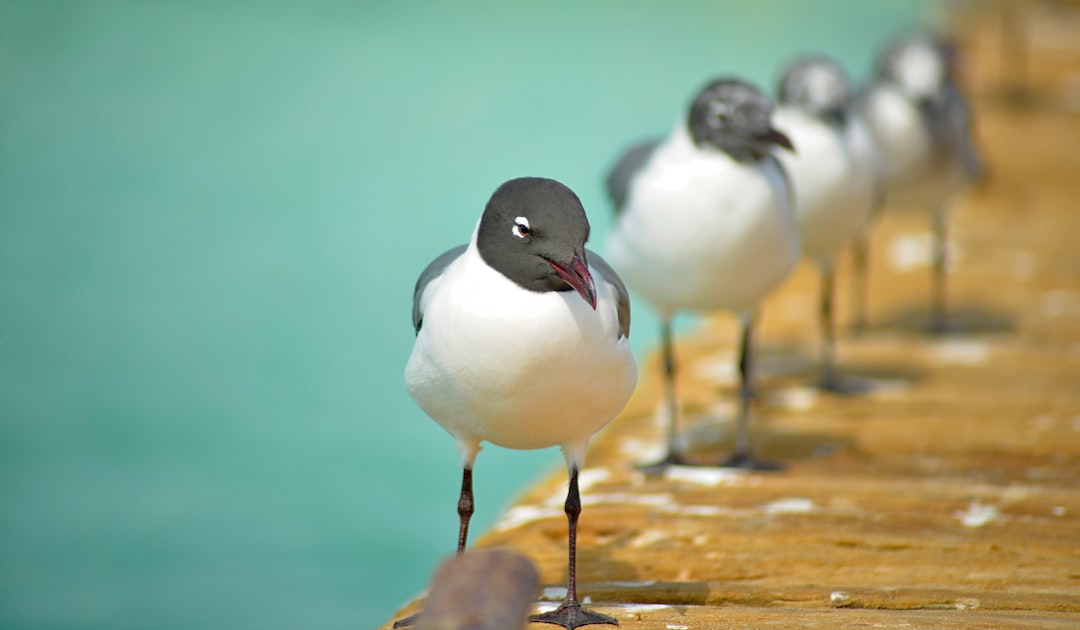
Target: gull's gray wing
{"x":607,"y":273}
{"x":948,"y":118}
{"x":959,"y":131}
{"x":432,"y":271}
{"x":631,"y":162}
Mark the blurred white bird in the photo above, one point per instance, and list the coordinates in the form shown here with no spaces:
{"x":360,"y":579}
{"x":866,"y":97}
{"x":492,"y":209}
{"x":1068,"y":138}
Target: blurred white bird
{"x":834,"y":174}
{"x":705,"y":222}
{"x":922,"y":124}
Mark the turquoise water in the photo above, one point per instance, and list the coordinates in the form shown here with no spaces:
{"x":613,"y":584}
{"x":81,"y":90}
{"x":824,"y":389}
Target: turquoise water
{"x":211,"y":216}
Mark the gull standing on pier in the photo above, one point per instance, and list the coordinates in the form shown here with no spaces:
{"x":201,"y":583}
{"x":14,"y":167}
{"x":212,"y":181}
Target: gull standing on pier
{"x":834,"y":175}
{"x":521,"y":341}
{"x":706,"y":222}
{"x":922,"y":124}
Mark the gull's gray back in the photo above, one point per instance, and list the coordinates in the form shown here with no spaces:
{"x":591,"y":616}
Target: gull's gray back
{"x":629,"y":165}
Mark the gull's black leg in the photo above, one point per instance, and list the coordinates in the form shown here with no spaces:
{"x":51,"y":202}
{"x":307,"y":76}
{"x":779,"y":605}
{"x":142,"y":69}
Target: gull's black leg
{"x":938,"y":296}
{"x":831,"y":379}
{"x":673,"y":456}
{"x":743,"y":456}
{"x":828,"y":334}
{"x":464,"y":509}
{"x":860,"y":272}
{"x":570,"y":614}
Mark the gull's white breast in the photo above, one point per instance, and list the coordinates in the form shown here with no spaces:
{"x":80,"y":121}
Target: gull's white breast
{"x":700,"y":231}
{"x":916,"y":171}
{"x":520,"y":369}
{"x":833,"y":178}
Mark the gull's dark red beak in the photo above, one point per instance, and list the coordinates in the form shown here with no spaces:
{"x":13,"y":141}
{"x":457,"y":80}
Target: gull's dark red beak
{"x":778,"y":138}
{"x":577,"y":275}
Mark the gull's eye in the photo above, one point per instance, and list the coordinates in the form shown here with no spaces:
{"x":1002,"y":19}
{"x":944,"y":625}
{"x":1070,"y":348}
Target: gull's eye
{"x":521,"y":227}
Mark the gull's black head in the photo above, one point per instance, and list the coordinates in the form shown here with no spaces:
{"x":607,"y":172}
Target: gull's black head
{"x":919,"y":65}
{"x":533,"y":231}
{"x":819,"y":86}
{"x":734,"y":116}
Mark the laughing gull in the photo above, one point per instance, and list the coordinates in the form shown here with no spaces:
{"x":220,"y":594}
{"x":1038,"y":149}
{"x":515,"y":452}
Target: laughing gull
{"x":706,"y":222}
{"x":521,"y":341}
{"x":834,"y":175}
{"x":921,"y":121}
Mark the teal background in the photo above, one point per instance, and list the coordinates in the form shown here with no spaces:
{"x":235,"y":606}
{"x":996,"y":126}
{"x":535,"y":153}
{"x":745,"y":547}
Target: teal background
{"x":211,"y":217}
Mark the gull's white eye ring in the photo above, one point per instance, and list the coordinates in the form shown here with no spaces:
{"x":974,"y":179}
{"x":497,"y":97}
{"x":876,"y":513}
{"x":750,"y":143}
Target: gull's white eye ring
{"x":521,"y":227}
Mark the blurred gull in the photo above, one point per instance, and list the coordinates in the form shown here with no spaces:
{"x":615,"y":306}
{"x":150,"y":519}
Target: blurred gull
{"x":834,"y":176}
{"x":921,"y":121}
{"x":705,"y":222}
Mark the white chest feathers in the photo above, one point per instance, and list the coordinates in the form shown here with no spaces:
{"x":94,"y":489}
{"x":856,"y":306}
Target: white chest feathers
{"x":520,"y":369}
{"x":833,"y":177}
{"x":700,"y":231}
